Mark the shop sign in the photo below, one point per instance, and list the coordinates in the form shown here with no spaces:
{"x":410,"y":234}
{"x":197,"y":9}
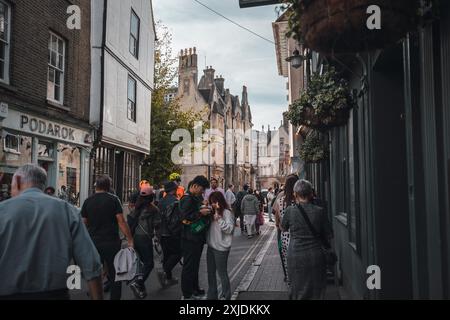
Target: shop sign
{"x":41,"y":127}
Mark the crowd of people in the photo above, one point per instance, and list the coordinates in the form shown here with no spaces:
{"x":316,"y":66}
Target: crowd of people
{"x":41,"y":235}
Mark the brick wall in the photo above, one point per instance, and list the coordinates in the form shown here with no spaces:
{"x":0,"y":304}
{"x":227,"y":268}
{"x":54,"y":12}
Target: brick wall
{"x":32,"y":22}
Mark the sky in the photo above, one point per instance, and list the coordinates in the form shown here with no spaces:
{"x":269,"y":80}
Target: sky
{"x":239,"y":56}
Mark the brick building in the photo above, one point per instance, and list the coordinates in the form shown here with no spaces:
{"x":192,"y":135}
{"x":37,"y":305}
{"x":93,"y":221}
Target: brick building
{"x":45,"y":92}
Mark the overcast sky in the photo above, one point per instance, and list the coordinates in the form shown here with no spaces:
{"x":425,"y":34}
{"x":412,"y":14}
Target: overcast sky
{"x":242,"y":58}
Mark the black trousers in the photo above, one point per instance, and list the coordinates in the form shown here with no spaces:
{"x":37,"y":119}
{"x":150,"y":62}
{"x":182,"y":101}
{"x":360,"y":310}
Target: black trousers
{"x":192,"y":253}
{"x":108,"y":252}
{"x":144,"y":247}
{"x":171,"y":247}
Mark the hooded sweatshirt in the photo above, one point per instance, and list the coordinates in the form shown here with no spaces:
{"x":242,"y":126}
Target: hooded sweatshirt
{"x":250,"y":205}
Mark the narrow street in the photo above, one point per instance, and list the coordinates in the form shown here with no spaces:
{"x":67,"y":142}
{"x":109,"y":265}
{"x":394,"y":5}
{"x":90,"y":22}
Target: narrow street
{"x":126,"y":122}
{"x":242,"y":256}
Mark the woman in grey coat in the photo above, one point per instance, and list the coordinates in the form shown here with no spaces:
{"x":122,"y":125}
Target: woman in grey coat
{"x":305,"y":260}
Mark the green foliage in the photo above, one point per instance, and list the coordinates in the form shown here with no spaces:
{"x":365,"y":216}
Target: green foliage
{"x":166,"y":116}
{"x":325,"y":102}
{"x":313,"y":149}
{"x":295,"y":9}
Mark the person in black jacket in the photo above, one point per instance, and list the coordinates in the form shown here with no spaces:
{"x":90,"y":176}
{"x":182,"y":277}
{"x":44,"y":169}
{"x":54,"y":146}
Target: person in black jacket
{"x":170,"y":243}
{"x":237,"y":208}
{"x":192,"y":209}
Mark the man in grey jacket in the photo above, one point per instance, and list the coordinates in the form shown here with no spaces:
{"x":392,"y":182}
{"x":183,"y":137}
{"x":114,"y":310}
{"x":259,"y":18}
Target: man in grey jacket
{"x":40,"y":236}
{"x":250,"y":210}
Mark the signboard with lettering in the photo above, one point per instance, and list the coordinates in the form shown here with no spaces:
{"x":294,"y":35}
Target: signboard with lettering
{"x":35,"y":126}
{"x":256,"y":3}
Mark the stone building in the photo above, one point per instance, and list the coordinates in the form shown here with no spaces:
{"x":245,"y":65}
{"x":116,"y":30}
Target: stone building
{"x":226,"y":151}
{"x":273,"y":156}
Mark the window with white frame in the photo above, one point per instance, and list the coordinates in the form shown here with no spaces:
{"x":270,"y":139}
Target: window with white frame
{"x":134,"y":34}
{"x":131,"y":112}
{"x":5,"y":22}
{"x":56,"y":68}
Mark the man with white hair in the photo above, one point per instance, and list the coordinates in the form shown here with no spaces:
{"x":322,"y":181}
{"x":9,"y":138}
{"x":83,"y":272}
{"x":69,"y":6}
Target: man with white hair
{"x":40,"y":237}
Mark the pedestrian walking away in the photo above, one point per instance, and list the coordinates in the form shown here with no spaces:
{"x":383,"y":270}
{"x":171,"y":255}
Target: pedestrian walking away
{"x":40,"y":236}
{"x":220,"y":237}
{"x":148,"y":226}
{"x":306,"y":259}
{"x":250,"y":208}
{"x":237,"y":208}
{"x":171,"y":228}
{"x":196,"y":219}
{"x":103,"y":215}
{"x":284,"y":200}
{"x":270,"y":197}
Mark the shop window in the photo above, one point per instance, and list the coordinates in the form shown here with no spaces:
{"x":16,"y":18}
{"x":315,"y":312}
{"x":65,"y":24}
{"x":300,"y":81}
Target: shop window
{"x":19,"y":154}
{"x":71,"y":178}
{"x":11,"y":143}
{"x":131,"y":175}
{"x":5,"y":23}
{"x":56,"y":68}
{"x":46,"y":151}
{"x":69,"y":166}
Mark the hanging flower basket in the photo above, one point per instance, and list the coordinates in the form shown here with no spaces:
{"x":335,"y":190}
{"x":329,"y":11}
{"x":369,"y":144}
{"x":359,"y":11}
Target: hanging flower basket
{"x":314,"y":149}
{"x":340,"y":26}
{"x":325,"y":104}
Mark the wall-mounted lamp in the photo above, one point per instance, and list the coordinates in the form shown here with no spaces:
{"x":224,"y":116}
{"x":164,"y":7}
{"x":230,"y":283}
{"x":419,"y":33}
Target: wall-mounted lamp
{"x":296,"y":60}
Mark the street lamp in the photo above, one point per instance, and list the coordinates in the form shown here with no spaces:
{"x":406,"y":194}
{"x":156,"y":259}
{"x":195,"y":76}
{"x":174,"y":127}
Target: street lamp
{"x":296,"y":60}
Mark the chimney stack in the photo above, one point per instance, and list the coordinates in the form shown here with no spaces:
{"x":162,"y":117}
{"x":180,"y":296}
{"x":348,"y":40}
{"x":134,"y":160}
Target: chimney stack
{"x":220,"y":84}
{"x":209,"y":76}
{"x":188,"y":58}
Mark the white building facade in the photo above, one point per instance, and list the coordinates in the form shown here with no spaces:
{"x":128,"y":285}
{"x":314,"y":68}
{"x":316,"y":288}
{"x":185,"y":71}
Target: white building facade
{"x":123,"y":45}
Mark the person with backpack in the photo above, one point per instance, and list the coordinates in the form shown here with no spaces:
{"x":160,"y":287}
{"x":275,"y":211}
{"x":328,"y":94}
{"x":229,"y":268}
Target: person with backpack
{"x":196,"y":219}
{"x":220,"y":237}
{"x":250,"y":208}
{"x":148,"y":223}
{"x":171,"y":228}
{"x":237,"y":207}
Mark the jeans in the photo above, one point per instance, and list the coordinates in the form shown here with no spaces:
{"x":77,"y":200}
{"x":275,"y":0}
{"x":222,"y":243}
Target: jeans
{"x":250,"y":223}
{"x":108,"y":252}
{"x":192,"y":253}
{"x":144,"y":247}
{"x":171,"y":254}
{"x":217,"y":262}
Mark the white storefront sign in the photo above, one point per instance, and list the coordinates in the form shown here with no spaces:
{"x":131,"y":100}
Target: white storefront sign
{"x":52,"y":130}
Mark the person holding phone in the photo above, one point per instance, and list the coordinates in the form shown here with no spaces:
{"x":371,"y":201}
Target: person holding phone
{"x":220,"y":237}
{"x":195,"y":220}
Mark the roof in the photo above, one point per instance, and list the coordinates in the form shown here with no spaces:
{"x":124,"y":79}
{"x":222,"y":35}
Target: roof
{"x":280,"y":28}
{"x":206,"y":94}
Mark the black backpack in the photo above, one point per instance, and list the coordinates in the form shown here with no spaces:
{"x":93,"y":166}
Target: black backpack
{"x":172,"y":219}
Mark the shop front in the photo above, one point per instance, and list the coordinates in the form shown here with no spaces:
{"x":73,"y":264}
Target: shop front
{"x":63,"y":150}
